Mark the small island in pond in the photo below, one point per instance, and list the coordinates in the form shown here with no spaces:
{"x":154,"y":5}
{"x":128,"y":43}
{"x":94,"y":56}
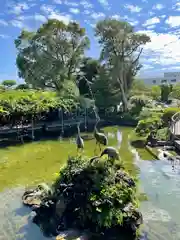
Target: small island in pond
{"x":97,"y":197}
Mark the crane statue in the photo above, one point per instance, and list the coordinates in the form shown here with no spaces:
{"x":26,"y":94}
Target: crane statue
{"x":112,"y":153}
{"x":100,"y":137}
{"x":79,"y":140}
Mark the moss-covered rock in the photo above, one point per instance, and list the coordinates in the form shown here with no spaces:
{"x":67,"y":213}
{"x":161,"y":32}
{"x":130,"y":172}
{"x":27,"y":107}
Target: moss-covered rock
{"x":99,"y":197}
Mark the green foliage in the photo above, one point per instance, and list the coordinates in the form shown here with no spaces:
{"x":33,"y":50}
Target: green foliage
{"x":51,"y":55}
{"x":137,"y":103}
{"x":100,"y":192}
{"x":145,"y":126}
{"x":168,"y":113}
{"x":105,"y":91}
{"x":140,"y":88}
{"x":8,"y":83}
{"x":165,"y":92}
{"x":175,"y":91}
{"x":162,"y":134}
{"x":29,"y":102}
{"x":150,"y":113}
{"x":156,"y":92}
{"x":121,"y":48}
{"x":89,"y":70}
{"x":22,"y":86}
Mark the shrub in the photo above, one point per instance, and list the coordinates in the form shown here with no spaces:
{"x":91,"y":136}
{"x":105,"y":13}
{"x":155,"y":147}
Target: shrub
{"x":168,"y":113}
{"x":99,"y":196}
{"x":150,"y":113}
{"x":146,"y":126}
{"x":137,"y":103}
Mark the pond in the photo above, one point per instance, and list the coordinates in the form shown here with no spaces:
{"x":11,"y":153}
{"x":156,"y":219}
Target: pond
{"x":40,"y":161}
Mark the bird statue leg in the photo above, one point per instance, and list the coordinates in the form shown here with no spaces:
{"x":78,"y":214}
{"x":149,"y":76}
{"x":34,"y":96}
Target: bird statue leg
{"x":95,"y":147}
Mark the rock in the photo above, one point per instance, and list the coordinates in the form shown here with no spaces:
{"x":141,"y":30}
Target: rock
{"x":33,"y":197}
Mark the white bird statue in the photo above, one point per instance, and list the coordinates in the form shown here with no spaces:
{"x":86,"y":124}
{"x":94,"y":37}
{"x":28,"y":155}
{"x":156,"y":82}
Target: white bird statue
{"x":79,"y":140}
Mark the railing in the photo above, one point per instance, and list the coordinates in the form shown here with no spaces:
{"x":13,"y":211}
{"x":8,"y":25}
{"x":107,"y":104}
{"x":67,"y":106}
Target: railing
{"x":175,"y":118}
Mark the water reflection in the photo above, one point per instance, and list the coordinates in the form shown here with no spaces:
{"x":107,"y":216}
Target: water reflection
{"x":119,"y":139}
{"x":161,"y":212}
{"x":15,"y":219}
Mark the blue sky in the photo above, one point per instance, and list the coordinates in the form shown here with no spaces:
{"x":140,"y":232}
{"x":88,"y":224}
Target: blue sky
{"x":159,"y":19}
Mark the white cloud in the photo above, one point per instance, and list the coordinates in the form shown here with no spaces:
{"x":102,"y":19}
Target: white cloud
{"x":18,"y":8}
{"x":104,"y":3}
{"x":17,"y":23}
{"x":131,"y":21}
{"x":151,"y":26}
{"x":36,"y":17}
{"x":57,"y":1}
{"x":4,"y":36}
{"x":173,"y":21}
{"x":176,"y":6}
{"x":73,"y":4}
{"x":86,"y":4}
{"x":3,"y":22}
{"x":65,"y":18}
{"x":50,"y":12}
{"x":74,"y":10}
{"x":96,"y":15}
{"x":158,"y":6}
{"x":116,"y":17}
{"x":151,"y":21}
{"x":147,"y":66}
{"x":47,"y":8}
{"x":162,"y":49}
{"x":133,"y":8}
{"x":87,"y":12}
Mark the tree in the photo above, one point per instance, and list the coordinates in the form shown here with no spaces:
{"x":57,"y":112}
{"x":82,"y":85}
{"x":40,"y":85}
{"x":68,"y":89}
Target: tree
{"x":9,"y":83}
{"x":51,"y":55}
{"x":22,"y":86}
{"x":88,"y":72}
{"x":121,"y":49}
{"x":165,"y":91}
{"x":105,"y":91}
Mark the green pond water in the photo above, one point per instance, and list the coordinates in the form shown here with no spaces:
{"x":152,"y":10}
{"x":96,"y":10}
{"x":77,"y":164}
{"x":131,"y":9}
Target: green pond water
{"x":40,"y":161}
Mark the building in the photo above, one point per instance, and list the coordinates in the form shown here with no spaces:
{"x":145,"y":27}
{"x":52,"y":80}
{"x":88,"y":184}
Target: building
{"x":169,"y":78}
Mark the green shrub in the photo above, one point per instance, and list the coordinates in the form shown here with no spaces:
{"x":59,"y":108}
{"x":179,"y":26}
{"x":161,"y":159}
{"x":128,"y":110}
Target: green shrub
{"x":162,"y":134}
{"x":150,"y":113}
{"x":168,"y":113}
{"x":97,"y":195}
{"x":137,"y":103}
{"x":146,"y":126}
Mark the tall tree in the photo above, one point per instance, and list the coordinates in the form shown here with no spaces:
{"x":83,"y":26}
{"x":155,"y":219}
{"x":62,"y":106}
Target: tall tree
{"x":52,"y":54}
{"x":121,"y":50}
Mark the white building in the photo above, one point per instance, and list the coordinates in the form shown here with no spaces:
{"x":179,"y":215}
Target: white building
{"x":169,"y":78}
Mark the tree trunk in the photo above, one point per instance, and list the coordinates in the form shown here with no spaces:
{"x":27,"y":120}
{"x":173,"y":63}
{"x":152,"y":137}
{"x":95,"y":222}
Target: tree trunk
{"x":124,"y":98}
